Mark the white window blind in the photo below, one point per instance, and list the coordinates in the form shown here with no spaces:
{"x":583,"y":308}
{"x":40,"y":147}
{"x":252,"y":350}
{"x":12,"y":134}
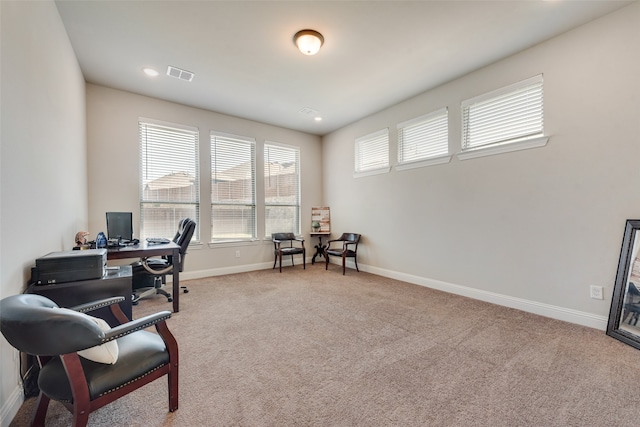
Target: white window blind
{"x":282,"y":189}
{"x":169,"y":182}
{"x":424,"y":137}
{"x":372,"y":152}
{"x":233,"y":188}
{"x":506,"y":115}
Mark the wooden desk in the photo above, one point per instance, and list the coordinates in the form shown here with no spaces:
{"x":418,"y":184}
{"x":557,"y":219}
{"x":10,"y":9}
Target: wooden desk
{"x":144,"y":249}
{"x":114,"y":283}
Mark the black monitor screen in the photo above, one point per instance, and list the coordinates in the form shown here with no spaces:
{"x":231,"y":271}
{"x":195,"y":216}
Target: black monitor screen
{"x":120,"y":225}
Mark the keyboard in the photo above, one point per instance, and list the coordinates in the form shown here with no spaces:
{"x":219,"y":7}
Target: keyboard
{"x":157,"y":240}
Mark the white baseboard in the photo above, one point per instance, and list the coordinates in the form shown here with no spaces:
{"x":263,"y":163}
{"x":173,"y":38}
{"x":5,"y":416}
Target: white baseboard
{"x":11,"y":406}
{"x":555,"y":312}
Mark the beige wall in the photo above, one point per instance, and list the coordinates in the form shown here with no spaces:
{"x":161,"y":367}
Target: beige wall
{"x":113,"y":158}
{"x":43,"y":156}
{"x":531,"y":229}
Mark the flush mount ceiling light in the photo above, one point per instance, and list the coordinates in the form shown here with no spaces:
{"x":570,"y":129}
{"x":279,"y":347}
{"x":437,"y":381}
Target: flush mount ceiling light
{"x":308,"y":41}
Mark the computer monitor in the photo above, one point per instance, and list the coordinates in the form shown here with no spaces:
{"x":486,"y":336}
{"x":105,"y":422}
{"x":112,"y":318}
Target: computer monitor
{"x":119,"y":225}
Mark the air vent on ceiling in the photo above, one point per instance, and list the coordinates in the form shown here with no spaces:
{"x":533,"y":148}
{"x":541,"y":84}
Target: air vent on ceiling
{"x":180,"y":74}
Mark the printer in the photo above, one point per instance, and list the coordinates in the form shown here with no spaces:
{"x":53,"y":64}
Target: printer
{"x":69,"y":266}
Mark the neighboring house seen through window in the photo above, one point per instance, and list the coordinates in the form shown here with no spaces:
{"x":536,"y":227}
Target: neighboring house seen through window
{"x":169,"y":180}
{"x":233,"y":188}
{"x":282,"y":189}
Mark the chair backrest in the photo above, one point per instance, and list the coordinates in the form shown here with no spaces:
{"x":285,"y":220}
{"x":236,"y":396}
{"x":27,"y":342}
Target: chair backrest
{"x":352,"y":237}
{"x":36,"y":325}
{"x":186,"y":228}
{"x":283,"y":236}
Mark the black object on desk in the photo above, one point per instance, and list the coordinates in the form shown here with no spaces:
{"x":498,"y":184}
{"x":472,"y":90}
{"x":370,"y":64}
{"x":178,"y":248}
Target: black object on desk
{"x":115,"y":282}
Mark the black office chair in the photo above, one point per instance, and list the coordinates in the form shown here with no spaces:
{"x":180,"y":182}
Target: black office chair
{"x":84,"y":363}
{"x":349,"y":249}
{"x":283,"y":245}
{"x":149,"y":274}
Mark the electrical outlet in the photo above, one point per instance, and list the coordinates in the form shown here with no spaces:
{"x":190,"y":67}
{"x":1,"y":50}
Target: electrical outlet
{"x":597,"y":292}
{"x":237,"y":254}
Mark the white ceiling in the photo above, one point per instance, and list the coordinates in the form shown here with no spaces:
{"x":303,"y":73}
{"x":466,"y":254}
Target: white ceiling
{"x":376,"y":53}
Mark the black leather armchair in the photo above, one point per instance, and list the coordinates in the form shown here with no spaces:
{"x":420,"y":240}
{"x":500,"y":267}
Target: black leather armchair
{"x":283,"y":244}
{"x":35,"y":325}
{"x":345,"y":247}
{"x":149,"y":274}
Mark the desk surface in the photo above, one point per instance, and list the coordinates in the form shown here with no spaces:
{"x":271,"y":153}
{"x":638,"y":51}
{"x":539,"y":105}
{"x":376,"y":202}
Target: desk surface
{"x":144,"y":249}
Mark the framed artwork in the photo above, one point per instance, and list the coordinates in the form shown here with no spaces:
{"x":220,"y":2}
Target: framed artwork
{"x":320,"y":219}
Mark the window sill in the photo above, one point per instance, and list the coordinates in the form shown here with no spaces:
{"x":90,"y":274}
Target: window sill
{"x":372,"y":172}
{"x":423,"y":163}
{"x":505,"y":147}
{"x":231,"y":243}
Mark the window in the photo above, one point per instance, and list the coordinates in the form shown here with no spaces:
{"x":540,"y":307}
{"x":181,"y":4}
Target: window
{"x":372,"y":153}
{"x":233,"y":188}
{"x":281,"y":189}
{"x":424,"y":138}
{"x":168,"y":177}
{"x":507,"y":116}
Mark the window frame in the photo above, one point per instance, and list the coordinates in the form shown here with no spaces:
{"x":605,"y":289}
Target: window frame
{"x":144,"y":202}
{"x":380,"y":137}
{"x":425,"y":120}
{"x":251,"y":142}
{"x":298,"y":206}
{"x":516,"y":142}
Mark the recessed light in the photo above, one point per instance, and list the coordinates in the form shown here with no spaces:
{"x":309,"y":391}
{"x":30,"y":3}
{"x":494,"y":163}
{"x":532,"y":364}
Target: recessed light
{"x":150,"y":72}
{"x":318,"y":119}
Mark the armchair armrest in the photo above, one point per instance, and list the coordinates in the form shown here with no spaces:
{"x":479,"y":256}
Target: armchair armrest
{"x":136,"y":325}
{"x":94,"y":305}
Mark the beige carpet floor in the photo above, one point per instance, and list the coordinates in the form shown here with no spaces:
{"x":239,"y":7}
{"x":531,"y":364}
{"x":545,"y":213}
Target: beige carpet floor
{"x":315,"y":348}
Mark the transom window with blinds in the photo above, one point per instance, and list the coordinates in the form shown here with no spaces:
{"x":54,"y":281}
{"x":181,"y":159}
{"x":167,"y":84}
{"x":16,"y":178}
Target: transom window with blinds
{"x":169,"y":181}
{"x":233,"y":188}
{"x":424,"y":137}
{"x":281,"y":189}
{"x":372,"y":153}
{"x":508,"y":115}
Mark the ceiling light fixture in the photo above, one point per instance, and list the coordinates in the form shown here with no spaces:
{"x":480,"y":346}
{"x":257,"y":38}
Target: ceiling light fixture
{"x":150,"y":72}
{"x":308,"y":41}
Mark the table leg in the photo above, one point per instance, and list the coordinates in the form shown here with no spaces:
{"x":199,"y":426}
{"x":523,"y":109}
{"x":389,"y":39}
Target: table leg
{"x":319,"y":250}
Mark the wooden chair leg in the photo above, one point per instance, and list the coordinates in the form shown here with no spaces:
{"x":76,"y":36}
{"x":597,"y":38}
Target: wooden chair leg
{"x":304,"y":260}
{"x":275,"y":261}
{"x":80,"y":418}
{"x":280,"y":257}
{"x":41,"y":411}
{"x":355,"y":259}
{"x":344,"y":263}
{"x":173,"y":390}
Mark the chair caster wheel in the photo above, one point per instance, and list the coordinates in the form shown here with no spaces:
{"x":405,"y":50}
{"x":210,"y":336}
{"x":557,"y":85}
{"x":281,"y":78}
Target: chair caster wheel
{"x":169,"y":299}
{"x":186,"y":291}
